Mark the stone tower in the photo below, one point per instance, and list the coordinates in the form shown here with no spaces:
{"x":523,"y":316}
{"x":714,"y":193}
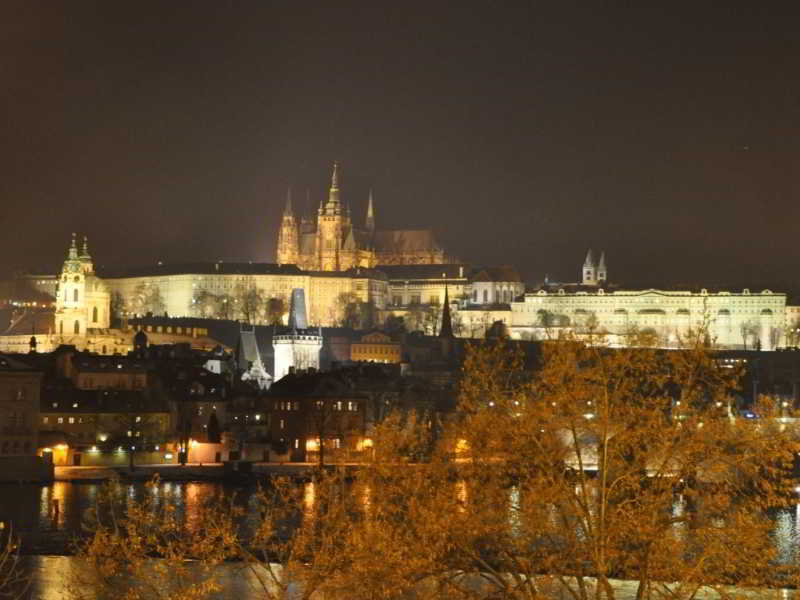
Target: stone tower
{"x":299,"y":348}
{"x":589,"y":270}
{"x":288,"y":244}
{"x":332,"y":222}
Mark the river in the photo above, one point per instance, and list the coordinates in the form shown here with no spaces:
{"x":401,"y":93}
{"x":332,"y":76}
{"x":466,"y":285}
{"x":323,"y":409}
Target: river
{"x":46,"y":533}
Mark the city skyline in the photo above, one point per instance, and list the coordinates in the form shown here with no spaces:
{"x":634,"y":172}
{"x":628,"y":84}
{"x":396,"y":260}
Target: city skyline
{"x":521,"y":135}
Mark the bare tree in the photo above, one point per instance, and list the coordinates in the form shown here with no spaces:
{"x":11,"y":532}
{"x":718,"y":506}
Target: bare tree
{"x":248,"y":301}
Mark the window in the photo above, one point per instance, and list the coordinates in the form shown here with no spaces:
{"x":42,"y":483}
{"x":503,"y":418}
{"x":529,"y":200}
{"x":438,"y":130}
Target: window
{"x":77,"y":327}
{"x":485,"y":296}
{"x":45,"y":420}
{"x":61,"y":327}
{"x":283,"y":423}
{"x":71,"y":420}
{"x":60,"y":419}
{"x":75,"y":295}
{"x":296,"y":443}
{"x":94,"y":314}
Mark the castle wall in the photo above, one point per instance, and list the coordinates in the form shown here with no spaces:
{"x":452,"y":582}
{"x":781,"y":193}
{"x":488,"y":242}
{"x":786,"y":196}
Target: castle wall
{"x":734,"y":320}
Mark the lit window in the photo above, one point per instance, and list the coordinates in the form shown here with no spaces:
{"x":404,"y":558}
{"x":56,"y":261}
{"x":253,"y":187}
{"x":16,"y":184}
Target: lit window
{"x":282,"y":423}
{"x":60,"y":419}
{"x":71,"y":420}
{"x":138,"y":419}
{"x":45,"y":419}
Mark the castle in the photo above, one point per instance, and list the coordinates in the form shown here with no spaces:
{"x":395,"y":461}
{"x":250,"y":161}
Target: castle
{"x":334,"y":243}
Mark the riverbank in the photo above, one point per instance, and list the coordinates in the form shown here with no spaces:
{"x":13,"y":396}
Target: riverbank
{"x":191,"y":472}
{"x":51,"y":576}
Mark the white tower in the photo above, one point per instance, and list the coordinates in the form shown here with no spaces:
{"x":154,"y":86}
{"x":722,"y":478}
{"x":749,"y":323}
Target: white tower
{"x":300,"y":347}
{"x":602,"y":271}
{"x":589,"y":270}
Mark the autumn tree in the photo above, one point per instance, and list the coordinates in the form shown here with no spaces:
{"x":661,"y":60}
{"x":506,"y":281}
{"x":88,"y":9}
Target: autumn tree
{"x":602,"y":464}
{"x":144,"y":548}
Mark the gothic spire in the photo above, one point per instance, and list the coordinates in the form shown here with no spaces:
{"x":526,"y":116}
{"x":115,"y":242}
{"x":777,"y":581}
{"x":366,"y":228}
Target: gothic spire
{"x":288,"y":210}
{"x":370,"y":222}
{"x":333,"y":206}
{"x":601,"y":265}
{"x":446,"y":330}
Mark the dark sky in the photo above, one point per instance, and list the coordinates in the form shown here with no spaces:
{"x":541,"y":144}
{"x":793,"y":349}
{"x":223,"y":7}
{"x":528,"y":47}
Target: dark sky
{"x":666,"y":133}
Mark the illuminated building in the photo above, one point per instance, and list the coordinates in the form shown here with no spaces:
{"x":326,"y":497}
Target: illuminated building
{"x":335,"y":243}
{"x":298,"y":349}
{"x":376,"y":347}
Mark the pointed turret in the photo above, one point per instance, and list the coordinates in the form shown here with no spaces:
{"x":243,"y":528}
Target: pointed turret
{"x":288,"y":243}
{"x":602,"y":271}
{"x":589,"y":270}
{"x":370,"y":221}
{"x":333,"y":207}
{"x":589,"y":262}
{"x":446,"y":330}
{"x":288,"y":210}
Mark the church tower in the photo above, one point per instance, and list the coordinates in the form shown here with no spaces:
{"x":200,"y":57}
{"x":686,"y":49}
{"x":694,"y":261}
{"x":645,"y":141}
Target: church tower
{"x":589,"y":270}
{"x":82,"y":302}
{"x":602,"y":272}
{"x":332,"y":223}
{"x":288,"y":246}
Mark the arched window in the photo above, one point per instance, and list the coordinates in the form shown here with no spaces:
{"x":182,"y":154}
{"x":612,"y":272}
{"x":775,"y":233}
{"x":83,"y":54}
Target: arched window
{"x":94,"y":314}
{"x":77,"y":327}
{"x":75,"y":295}
{"x":485,"y":296}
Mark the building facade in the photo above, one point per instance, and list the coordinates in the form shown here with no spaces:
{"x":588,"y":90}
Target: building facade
{"x":332,"y":242}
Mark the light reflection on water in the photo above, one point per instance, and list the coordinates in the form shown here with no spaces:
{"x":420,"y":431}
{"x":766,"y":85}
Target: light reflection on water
{"x":31,"y":510}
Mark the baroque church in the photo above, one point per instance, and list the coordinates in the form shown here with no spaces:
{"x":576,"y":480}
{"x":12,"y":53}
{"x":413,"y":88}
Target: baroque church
{"x":335,"y":243}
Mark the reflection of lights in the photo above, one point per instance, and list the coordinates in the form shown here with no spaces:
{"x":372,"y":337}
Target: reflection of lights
{"x":192,"y":443}
{"x":312,"y":445}
{"x":462,"y":446}
{"x":93,"y":449}
{"x":102,"y":437}
{"x":61,"y":447}
{"x":119,"y":449}
{"x":168,"y":456}
{"x":156,"y":448}
{"x":47,"y":449}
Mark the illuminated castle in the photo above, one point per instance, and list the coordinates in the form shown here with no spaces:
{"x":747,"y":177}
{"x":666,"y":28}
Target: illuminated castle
{"x":334,"y":243}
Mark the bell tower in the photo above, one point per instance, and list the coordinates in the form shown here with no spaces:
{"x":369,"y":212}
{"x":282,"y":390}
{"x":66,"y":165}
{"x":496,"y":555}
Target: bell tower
{"x":331,"y":223}
{"x":288,"y":244}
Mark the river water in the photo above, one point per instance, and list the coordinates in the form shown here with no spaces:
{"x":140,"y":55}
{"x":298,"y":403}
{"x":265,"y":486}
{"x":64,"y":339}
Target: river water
{"x":47,"y":533}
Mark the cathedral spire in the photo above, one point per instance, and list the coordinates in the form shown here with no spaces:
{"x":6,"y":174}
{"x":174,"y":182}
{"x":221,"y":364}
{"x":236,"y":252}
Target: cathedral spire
{"x":333,"y":206}
{"x":370,"y":222}
{"x":288,"y":210}
{"x":85,"y":253}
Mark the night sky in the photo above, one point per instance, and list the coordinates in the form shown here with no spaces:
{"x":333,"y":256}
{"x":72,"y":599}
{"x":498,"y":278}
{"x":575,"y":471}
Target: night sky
{"x":523,"y":133}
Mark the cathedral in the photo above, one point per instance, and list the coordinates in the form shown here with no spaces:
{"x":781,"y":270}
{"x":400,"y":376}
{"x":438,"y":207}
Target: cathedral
{"x":334,"y":243}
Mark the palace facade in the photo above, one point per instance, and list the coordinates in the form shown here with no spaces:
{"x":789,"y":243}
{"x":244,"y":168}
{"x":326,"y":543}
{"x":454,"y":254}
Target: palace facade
{"x":333,"y":242}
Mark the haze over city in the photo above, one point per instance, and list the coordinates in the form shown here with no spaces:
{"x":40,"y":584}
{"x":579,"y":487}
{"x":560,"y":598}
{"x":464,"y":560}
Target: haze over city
{"x":522,"y":133}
